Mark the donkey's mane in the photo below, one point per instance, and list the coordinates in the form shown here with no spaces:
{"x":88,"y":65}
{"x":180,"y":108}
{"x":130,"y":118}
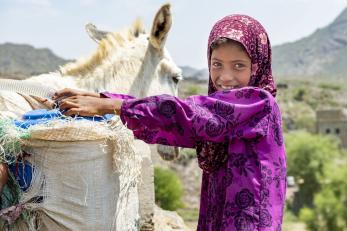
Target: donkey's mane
{"x":113,"y":40}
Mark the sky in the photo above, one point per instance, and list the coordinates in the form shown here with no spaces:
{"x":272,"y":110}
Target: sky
{"x":59,"y":24}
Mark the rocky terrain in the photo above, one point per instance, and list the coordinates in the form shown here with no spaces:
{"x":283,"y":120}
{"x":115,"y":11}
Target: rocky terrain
{"x":321,"y":54}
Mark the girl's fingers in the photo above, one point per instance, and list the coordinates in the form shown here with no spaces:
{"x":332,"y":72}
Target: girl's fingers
{"x":59,"y":94}
{"x":69,"y":102}
{"x":66,"y":92}
{"x":71,"y":98}
{"x":67,"y":105}
{"x":73,"y":111}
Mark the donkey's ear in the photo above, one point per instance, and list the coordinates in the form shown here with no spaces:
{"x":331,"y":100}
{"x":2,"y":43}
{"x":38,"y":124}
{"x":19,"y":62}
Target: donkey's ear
{"x":94,"y":33}
{"x":161,"y":26}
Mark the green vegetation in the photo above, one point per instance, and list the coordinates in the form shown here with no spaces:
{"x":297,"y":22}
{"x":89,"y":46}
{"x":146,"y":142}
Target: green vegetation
{"x":300,"y":100}
{"x":193,"y":90}
{"x":329,"y":211}
{"x":168,"y":189}
{"x":307,"y":157}
{"x":189,"y":214}
{"x":299,"y":94}
{"x":291,"y":222}
{"x":320,"y":168}
{"x":189,"y":87}
{"x":330,"y":86}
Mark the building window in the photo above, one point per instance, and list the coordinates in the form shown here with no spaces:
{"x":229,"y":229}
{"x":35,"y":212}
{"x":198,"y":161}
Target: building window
{"x":337,"y":131}
{"x":327,"y":131}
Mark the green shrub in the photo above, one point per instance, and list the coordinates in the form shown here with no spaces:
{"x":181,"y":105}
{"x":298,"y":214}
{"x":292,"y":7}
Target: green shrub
{"x":299,"y":94}
{"x":189,"y":214}
{"x":307,"y":157}
{"x":308,"y":217}
{"x":320,"y":169}
{"x":306,"y":122}
{"x":193,"y":90}
{"x":329,"y":211}
{"x":168,"y":189}
{"x":330,"y":86}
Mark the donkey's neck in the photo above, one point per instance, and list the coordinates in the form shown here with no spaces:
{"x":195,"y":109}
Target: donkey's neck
{"x":132,"y":75}
{"x":117,"y":77}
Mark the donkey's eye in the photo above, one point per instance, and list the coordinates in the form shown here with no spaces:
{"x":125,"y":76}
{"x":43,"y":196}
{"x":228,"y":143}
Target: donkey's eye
{"x":176,"y":79}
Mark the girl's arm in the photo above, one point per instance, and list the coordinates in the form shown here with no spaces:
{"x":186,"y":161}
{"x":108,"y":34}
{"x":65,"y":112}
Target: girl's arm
{"x":165,"y":119}
{"x":219,"y":117}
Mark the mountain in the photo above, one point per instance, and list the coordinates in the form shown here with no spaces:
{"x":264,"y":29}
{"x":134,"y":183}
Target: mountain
{"x":323,"y":53}
{"x":25,"y":60}
{"x":190,"y":73}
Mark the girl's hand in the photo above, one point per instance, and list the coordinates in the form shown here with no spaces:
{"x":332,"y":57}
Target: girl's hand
{"x":68,"y":92}
{"x":90,"y":106}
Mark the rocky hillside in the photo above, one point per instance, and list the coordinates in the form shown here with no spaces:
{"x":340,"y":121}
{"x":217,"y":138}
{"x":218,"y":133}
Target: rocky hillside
{"x":190,"y":73}
{"x":323,"y":53}
{"x":25,"y":60}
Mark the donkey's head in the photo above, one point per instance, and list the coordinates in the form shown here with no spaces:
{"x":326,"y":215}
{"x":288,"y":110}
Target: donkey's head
{"x":131,"y":62}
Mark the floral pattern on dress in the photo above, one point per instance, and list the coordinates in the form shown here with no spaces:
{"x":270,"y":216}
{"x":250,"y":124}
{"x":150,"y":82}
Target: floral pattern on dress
{"x":238,"y":213}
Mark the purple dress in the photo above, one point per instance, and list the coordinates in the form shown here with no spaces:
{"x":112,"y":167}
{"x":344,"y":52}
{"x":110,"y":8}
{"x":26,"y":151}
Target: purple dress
{"x":237,"y":135}
{"x":245,"y":192}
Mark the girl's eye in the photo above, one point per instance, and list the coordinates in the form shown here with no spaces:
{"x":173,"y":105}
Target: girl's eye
{"x":216,"y":64}
{"x":239,"y":66}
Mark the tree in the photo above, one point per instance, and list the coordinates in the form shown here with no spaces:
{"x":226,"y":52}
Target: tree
{"x":168,"y":189}
{"x":307,"y":154}
{"x":330,"y":204}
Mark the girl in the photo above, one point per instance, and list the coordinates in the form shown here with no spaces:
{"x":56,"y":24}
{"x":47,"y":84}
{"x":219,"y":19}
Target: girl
{"x":236,"y":129}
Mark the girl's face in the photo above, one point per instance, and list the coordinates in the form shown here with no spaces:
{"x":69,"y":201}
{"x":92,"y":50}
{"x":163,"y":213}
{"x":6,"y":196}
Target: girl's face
{"x":230,"y":67}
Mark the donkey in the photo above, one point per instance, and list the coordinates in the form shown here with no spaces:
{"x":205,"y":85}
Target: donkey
{"x":130,"y":62}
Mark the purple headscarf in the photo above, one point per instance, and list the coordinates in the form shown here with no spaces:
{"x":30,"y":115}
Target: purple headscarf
{"x":252,"y":35}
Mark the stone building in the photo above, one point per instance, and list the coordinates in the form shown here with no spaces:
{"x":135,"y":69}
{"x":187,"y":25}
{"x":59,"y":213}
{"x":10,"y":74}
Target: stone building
{"x":333,"y":122}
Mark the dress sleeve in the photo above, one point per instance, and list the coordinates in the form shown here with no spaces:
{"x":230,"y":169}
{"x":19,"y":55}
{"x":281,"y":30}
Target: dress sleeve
{"x":219,"y":117}
{"x":107,"y":94}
